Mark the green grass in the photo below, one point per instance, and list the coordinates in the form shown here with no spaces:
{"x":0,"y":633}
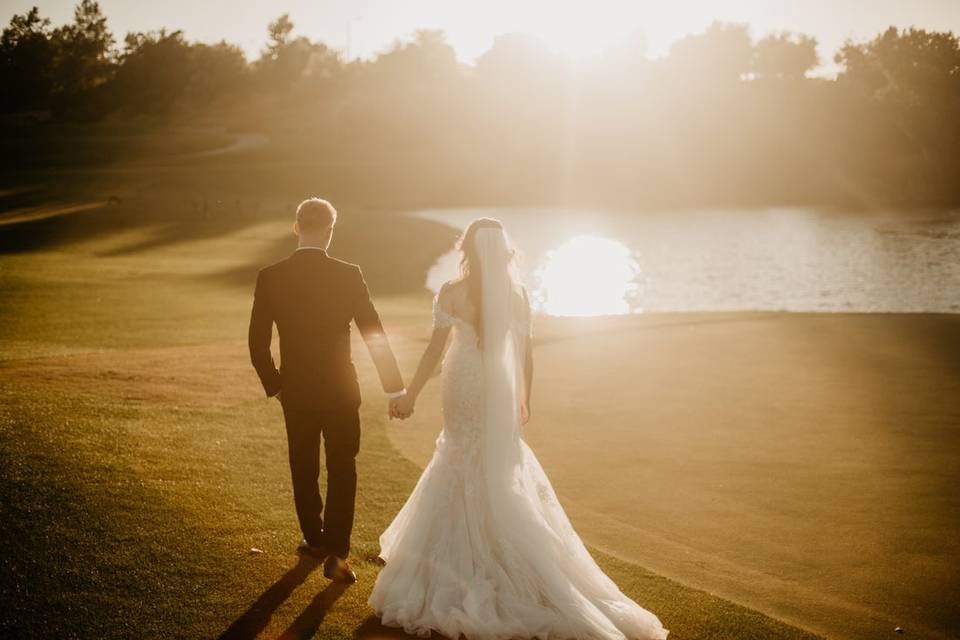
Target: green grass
{"x":139,"y":462}
{"x":126,"y":522}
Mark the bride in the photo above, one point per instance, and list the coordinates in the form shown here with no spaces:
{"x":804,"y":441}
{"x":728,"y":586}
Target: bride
{"x":482,"y":548}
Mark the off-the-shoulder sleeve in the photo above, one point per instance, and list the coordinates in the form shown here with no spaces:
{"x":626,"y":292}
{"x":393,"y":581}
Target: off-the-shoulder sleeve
{"x":442,"y":318}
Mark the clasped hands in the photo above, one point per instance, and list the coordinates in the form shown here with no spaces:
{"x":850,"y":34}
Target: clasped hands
{"x":401,"y":407}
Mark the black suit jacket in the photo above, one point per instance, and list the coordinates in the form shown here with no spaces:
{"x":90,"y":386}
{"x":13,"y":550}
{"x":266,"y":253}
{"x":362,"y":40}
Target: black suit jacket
{"x":312,"y":298}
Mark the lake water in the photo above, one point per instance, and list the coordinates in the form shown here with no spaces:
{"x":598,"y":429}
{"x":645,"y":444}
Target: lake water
{"x":582,"y":262}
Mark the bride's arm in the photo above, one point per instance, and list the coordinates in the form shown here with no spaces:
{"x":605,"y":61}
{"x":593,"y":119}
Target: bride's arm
{"x":429,"y":360}
{"x":428,"y":364}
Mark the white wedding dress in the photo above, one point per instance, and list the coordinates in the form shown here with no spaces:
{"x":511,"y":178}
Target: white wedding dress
{"x":482,"y":548}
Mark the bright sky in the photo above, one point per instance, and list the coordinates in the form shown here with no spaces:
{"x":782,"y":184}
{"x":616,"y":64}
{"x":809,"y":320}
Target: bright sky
{"x":578,"y":27}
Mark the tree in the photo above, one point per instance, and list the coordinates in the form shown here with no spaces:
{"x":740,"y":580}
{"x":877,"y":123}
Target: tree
{"x":428,"y":57}
{"x":521,"y":65}
{"x":785,"y":55}
{"x":410,"y":94}
{"x":324,"y":63}
{"x":279,"y":31}
{"x":85,"y":53}
{"x":27,"y":59}
{"x":155,"y":69}
{"x":285,"y":61}
{"x":159,"y":71}
{"x":911,"y":65}
{"x":724,"y":52}
{"x":906,"y":87}
{"x":216,"y":71}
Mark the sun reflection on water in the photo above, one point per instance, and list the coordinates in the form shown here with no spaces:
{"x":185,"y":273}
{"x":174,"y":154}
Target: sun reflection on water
{"x":587,"y":276}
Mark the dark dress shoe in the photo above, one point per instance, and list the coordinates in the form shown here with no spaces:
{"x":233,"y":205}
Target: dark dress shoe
{"x":339,"y":570}
{"x":307,"y":549}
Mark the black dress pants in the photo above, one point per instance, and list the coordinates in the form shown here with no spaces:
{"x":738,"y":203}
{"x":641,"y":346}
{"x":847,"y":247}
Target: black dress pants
{"x":339,"y":431}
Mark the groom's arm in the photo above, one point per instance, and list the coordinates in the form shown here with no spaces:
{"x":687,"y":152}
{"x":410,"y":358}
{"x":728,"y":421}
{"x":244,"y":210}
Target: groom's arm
{"x":259,"y":337}
{"x":368,"y":322}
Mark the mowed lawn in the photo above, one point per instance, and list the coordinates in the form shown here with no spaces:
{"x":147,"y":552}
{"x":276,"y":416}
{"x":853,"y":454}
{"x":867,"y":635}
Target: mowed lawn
{"x":807,"y":465}
{"x":140,"y":464}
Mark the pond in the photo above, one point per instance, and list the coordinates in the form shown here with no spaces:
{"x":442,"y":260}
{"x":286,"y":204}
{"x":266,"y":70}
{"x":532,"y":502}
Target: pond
{"x":594,"y":262}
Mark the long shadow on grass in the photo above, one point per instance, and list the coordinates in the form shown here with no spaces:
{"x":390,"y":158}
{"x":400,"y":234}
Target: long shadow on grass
{"x":308,"y":622}
{"x":256,"y":618}
{"x":395,"y":251}
{"x":172,"y":217}
{"x":48,"y":233}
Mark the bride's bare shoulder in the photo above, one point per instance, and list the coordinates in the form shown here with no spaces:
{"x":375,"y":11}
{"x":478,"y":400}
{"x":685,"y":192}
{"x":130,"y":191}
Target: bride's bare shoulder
{"x":454,"y":296}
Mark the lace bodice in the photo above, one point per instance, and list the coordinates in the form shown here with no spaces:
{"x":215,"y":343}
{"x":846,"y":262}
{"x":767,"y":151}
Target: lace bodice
{"x":462,"y":381}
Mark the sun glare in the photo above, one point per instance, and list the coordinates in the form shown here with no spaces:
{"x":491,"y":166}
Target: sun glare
{"x":584,"y":30}
{"x":587,"y":276}
{"x":576,"y":31}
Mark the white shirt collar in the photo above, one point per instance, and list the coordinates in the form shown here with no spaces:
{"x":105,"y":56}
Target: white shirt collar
{"x":309,"y":247}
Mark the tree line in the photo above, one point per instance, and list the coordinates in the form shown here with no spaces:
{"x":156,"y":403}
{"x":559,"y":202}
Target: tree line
{"x":722,"y":117}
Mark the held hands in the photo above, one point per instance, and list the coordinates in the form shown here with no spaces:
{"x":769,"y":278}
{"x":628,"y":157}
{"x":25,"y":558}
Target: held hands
{"x":401,"y":407}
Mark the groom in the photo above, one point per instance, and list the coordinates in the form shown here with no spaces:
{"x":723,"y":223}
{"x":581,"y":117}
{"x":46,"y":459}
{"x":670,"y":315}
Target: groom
{"x":312,"y":298}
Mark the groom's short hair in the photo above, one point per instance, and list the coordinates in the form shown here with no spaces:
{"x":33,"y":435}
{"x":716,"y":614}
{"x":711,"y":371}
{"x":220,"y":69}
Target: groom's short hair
{"x":315,"y":213}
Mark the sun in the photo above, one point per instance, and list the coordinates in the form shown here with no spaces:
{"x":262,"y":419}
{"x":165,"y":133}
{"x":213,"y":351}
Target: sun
{"x":584,"y":30}
{"x":587,"y":276}
{"x":576,"y":29}
{"x":572,"y":31}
